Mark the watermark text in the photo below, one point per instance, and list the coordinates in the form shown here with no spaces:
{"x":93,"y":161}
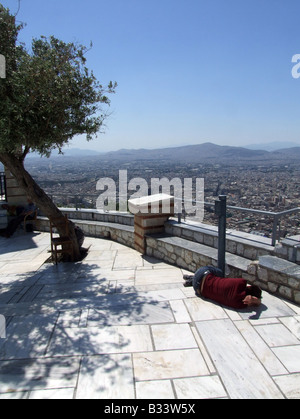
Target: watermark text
{"x":2,"y":327}
{"x":188,"y":194}
{"x":296,"y":68}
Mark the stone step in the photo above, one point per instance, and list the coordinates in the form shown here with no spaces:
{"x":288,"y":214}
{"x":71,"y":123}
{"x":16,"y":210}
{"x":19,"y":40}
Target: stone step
{"x":289,"y":249}
{"x":238,"y":243}
{"x":191,"y":256}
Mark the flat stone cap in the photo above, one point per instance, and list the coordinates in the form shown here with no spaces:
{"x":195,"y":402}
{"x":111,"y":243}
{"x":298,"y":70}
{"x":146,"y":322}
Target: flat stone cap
{"x":153,"y":204}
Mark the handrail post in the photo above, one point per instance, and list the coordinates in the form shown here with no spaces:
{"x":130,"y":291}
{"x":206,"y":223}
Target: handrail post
{"x":274,"y":233}
{"x":220,"y":210}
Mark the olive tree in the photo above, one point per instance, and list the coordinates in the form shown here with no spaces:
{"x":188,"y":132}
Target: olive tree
{"x":47,"y":97}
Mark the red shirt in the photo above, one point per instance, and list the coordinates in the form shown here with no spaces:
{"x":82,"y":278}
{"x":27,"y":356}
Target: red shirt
{"x":229,"y":292}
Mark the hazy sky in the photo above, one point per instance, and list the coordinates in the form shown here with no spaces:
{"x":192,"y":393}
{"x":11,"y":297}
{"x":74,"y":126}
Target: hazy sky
{"x":189,"y":71}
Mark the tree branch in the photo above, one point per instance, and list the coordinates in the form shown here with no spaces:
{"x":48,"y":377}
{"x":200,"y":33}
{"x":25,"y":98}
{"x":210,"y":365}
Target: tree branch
{"x":24,"y":154}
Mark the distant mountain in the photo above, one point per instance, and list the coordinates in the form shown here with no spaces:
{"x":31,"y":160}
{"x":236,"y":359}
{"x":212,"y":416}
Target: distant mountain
{"x":193,"y":153}
{"x":274,"y":146}
{"x":200,"y":153}
{"x":70,"y":152}
{"x":291,"y":153}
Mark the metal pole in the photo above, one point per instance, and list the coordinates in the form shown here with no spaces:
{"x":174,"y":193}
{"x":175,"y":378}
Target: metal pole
{"x":274,"y":233}
{"x":220,"y":210}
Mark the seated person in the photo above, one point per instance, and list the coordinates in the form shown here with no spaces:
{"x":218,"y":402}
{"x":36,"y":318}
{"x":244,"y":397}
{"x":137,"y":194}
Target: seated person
{"x":14,"y":224}
{"x":208,"y":282}
{"x":80,"y":239}
{"x":79,"y":235}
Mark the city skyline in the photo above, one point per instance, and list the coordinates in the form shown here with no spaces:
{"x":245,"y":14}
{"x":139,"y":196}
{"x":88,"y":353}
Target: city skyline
{"x":188,"y":72}
{"x":265,"y":185}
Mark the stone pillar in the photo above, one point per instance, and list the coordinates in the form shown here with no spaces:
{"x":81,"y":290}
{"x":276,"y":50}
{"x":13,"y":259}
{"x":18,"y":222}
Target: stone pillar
{"x":15,"y":195}
{"x":150,"y":215}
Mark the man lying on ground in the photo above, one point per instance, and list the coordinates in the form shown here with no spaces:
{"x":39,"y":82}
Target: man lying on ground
{"x":208,"y":282}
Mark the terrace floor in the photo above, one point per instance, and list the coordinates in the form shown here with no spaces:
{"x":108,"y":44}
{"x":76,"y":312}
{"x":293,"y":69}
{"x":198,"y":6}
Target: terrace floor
{"x":122,"y":326}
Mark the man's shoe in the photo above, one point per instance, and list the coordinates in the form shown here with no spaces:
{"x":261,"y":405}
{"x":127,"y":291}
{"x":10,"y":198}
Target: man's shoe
{"x":188,"y":277}
{"x":188,"y":283}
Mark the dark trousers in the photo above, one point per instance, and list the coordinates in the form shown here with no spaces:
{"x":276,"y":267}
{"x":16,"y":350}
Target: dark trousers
{"x":14,"y":224}
{"x":195,"y":280}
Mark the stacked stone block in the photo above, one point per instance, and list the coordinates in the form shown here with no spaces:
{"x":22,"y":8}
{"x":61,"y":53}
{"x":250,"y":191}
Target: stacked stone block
{"x":151,"y":214}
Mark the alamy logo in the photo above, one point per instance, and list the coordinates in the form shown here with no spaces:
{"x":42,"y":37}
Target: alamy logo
{"x":296,"y":68}
{"x":2,"y":327}
{"x":188,"y":195}
{"x":2,"y":67}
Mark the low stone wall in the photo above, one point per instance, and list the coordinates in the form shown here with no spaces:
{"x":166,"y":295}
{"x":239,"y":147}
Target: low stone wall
{"x":191,"y":256}
{"x":103,"y":217}
{"x":119,"y":233}
{"x":250,"y":246}
{"x":289,"y":249}
{"x":272,"y":274}
{"x":277,"y":276}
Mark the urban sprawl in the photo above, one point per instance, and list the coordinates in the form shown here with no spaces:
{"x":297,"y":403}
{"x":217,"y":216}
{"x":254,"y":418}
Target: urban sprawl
{"x":270,"y":187}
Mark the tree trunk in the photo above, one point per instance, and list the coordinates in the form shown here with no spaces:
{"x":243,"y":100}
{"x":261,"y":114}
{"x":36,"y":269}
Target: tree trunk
{"x":36,"y":194}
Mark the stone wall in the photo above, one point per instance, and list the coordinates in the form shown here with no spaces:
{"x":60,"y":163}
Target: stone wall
{"x":240,"y":244}
{"x":191,"y":256}
{"x":277,"y":276}
{"x":119,"y":233}
{"x":15,"y":195}
{"x":289,"y":249}
{"x":99,"y":216}
{"x":272,"y":274}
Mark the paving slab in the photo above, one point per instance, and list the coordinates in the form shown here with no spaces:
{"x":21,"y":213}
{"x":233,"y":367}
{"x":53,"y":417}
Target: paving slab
{"x":155,"y":389}
{"x":38,"y":374}
{"x":106,"y":377}
{"x":200,"y":388}
{"x":290,"y":357}
{"x":27,"y":336}
{"x":157,"y":365}
{"x":240,"y":370}
{"x":173,"y":336}
{"x":120,"y":325}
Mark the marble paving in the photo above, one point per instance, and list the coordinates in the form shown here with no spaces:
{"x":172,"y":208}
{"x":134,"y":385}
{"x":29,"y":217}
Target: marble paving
{"x":122,"y":326}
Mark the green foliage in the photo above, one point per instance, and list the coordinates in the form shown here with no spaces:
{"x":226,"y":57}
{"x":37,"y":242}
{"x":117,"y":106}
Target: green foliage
{"x":48,"y":96}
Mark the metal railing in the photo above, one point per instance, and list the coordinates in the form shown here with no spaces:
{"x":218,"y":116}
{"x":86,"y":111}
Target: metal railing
{"x":276,"y":216}
{"x":3,"y":190}
{"x":89,"y":202}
